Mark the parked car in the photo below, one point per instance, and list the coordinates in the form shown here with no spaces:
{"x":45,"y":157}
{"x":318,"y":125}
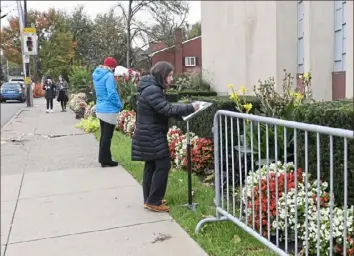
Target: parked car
{"x":19,"y":79}
{"x":12,"y":91}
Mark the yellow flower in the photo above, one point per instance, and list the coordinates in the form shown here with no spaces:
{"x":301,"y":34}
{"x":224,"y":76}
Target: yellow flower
{"x":231,"y":86}
{"x":306,"y":75}
{"x":234,"y":96}
{"x":248,"y":107}
{"x":243,"y":89}
{"x":299,"y":96}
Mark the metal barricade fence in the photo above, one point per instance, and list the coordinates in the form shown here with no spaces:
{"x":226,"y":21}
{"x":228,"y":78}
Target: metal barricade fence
{"x":271,"y":193}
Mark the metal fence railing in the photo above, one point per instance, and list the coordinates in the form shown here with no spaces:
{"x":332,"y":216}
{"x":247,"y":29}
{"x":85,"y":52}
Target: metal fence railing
{"x":288,"y":184}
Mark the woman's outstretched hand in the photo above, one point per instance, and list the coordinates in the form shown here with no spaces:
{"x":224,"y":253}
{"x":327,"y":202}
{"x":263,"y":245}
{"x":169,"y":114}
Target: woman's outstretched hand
{"x":195,"y":106}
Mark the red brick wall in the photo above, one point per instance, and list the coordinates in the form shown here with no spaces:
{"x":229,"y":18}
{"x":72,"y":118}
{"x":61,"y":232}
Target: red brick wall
{"x":168,"y":55}
{"x":157,"y":46}
{"x":192,"y":48}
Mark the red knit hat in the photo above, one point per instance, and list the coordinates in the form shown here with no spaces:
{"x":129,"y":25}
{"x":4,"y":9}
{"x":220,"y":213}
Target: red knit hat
{"x":110,"y":62}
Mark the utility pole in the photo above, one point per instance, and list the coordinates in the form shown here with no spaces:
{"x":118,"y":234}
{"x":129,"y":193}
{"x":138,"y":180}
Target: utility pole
{"x":27,"y":63}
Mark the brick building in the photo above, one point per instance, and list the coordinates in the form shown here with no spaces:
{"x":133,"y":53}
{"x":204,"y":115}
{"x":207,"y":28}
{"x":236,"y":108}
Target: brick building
{"x":185,"y":56}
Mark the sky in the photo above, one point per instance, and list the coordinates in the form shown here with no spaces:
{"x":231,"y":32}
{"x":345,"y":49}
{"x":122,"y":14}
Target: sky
{"x":92,"y":8}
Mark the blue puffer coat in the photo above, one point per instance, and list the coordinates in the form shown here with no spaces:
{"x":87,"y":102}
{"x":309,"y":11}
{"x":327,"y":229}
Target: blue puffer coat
{"x":107,"y":97}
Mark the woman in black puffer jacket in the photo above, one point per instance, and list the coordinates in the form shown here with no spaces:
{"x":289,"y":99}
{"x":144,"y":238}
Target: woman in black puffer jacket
{"x":150,"y":135}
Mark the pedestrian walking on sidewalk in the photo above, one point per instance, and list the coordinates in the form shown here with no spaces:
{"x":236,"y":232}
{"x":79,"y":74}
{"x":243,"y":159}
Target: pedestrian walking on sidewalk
{"x":49,"y":93}
{"x":63,"y":93}
{"x":150,"y":136}
{"x":108,"y":105}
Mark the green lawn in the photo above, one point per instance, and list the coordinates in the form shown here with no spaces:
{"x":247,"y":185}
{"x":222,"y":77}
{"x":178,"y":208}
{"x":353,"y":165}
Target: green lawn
{"x":217,"y":239}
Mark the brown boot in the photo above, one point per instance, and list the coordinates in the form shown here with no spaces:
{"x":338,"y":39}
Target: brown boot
{"x":163,"y":201}
{"x":157,"y":208}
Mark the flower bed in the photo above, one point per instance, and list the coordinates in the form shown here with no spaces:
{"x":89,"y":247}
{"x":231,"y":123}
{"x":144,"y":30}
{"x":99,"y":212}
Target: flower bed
{"x":78,"y":104}
{"x":126,"y":122}
{"x":201,"y":148}
{"x":90,"y":111}
{"x":90,"y":124}
{"x":257,"y":188}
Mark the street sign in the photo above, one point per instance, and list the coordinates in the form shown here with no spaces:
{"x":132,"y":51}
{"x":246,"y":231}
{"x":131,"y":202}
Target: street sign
{"x":29,"y":30}
{"x":29,"y":41}
{"x":27,"y":80}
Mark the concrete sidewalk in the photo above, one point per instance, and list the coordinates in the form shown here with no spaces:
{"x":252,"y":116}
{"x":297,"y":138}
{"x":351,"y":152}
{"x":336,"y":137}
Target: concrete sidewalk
{"x":56,"y":200}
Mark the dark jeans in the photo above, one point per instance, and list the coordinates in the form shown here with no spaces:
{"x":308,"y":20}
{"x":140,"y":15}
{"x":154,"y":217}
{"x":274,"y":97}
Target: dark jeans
{"x":155,"y":180}
{"x":107,"y":130}
{"x":63,"y":105}
{"x":49,"y":103}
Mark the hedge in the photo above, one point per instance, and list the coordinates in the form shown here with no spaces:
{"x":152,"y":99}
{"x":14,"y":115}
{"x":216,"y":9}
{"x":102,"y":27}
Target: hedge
{"x":171,"y":97}
{"x":191,"y":93}
{"x":174,"y":96}
{"x":203,"y":122}
{"x":337,"y":114}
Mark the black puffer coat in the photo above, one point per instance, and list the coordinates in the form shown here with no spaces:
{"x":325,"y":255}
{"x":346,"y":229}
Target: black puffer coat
{"x":49,"y":90}
{"x":153,"y":110}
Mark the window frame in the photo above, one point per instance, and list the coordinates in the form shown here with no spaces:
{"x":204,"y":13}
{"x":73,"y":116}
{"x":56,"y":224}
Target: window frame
{"x":340,"y":27}
{"x":189,"y":63}
{"x":300,"y":38}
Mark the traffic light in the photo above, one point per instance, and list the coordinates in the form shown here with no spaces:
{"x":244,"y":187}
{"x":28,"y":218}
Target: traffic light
{"x":29,"y":44}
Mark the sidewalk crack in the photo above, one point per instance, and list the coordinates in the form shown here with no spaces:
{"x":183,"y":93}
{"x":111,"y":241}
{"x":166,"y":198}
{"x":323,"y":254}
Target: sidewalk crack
{"x":88,"y":232}
{"x":13,"y":215}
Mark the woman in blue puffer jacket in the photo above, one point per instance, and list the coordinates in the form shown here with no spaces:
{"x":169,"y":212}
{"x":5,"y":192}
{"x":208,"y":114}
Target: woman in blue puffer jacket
{"x":108,"y":105}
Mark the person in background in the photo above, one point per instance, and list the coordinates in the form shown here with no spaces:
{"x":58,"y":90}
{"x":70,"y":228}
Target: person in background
{"x":108,"y":105}
{"x":50,"y":91}
{"x":63,"y":93}
{"x":150,"y":136}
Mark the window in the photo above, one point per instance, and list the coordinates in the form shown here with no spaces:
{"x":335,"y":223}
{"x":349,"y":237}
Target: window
{"x":190,"y":61}
{"x":300,"y":37}
{"x":340,"y":35}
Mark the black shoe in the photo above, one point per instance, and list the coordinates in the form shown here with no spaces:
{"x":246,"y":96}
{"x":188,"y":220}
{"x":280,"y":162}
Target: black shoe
{"x":110,"y":164}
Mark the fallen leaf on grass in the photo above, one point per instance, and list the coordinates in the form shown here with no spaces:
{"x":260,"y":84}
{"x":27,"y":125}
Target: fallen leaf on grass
{"x":236,"y":239}
{"x":209,"y":178}
{"x":207,"y":216}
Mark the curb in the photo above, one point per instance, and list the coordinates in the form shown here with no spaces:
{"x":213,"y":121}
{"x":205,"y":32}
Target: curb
{"x":12,"y":118}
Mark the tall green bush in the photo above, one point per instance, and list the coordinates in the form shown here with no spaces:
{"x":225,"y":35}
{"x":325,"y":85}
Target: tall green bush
{"x":336,"y":114}
{"x":80,"y":80}
{"x":202,"y":123}
{"x":191,"y":81}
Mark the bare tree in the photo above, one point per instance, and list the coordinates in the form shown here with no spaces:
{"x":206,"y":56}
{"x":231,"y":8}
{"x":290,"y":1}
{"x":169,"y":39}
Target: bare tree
{"x":155,"y":9}
{"x":163,"y":30}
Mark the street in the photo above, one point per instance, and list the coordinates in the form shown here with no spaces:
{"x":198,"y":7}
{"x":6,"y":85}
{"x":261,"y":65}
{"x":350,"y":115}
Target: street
{"x":8,"y":110}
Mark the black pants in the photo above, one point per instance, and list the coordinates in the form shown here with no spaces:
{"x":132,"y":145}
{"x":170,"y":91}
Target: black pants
{"x":49,"y":103}
{"x":107,"y":131}
{"x":63,"y":105}
{"x":155,"y":180}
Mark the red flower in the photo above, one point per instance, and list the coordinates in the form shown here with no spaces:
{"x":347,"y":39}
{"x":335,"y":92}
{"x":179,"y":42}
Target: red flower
{"x":275,"y":193}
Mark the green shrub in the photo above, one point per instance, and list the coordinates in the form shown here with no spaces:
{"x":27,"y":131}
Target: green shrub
{"x":202,"y":124}
{"x":90,"y":124}
{"x":80,"y":80}
{"x":171,"y":97}
{"x":191,"y":81}
{"x":337,"y":114}
{"x":192,"y":93}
